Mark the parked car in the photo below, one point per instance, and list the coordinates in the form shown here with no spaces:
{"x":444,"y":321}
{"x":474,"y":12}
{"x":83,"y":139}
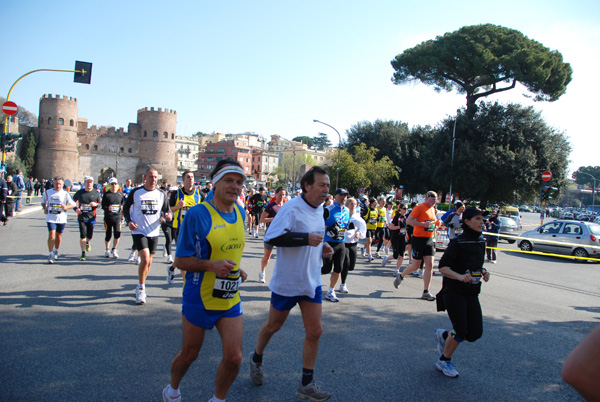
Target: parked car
{"x":508,"y":226}
{"x":563,"y":237}
{"x":513,"y":213}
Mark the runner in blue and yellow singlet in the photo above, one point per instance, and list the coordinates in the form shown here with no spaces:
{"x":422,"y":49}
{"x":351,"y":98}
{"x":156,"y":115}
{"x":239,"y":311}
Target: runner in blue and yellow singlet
{"x":210,"y":251}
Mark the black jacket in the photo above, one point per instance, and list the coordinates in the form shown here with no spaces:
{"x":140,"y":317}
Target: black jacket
{"x":465,"y":252}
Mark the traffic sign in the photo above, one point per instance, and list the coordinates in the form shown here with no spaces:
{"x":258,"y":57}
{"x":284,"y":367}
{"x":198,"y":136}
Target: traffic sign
{"x":9,"y":108}
{"x":546,"y":176}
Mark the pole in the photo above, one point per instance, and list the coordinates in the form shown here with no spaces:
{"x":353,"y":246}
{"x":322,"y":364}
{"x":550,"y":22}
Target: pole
{"x":337,"y":179}
{"x":452,"y":159}
{"x":593,"y":190}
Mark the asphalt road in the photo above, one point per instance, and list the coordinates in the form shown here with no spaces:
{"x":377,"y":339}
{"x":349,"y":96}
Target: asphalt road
{"x":72,"y":331}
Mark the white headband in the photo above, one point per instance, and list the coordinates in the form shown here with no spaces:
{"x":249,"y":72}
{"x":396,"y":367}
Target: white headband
{"x":228,"y":169}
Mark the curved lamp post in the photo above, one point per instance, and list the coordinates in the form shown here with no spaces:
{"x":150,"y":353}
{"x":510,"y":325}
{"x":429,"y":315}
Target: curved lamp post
{"x":337,"y":179}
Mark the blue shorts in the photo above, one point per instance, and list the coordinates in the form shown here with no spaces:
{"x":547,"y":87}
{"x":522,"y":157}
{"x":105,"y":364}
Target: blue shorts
{"x":284,"y":303}
{"x":208,"y":318}
{"x":58,"y":227}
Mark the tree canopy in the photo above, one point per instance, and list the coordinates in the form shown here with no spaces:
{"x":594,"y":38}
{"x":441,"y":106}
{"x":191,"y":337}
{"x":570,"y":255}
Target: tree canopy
{"x":480,"y":60}
{"x":305,"y":140}
{"x":321,"y":141}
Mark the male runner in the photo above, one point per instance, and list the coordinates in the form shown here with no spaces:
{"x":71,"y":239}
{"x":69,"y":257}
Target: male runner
{"x":258,"y":203}
{"x":210,"y":251}
{"x":112,"y":204}
{"x":142,"y":212}
{"x":181,"y":201}
{"x":87,"y":199}
{"x":56,"y":202}
{"x":423,"y":219}
{"x":336,"y":217}
{"x":297,"y":232}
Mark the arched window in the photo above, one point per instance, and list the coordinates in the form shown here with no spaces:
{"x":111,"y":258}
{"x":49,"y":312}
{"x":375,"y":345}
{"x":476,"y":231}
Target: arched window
{"x":155,"y":134}
{"x":172,"y":136}
{"x":49,"y":120}
{"x":95,"y":147}
{"x":145,"y":133}
{"x":87,"y":146}
{"x":129,"y":150}
{"x":122,"y":149}
{"x":166,"y":135}
{"x":71,"y":122}
{"x":61,"y":121}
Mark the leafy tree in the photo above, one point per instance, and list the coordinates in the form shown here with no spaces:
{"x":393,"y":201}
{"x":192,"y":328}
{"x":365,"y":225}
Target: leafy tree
{"x":290,"y":167}
{"x":305,"y":140}
{"x":321,"y":141}
{"x":353,"y":175}
{"x":501,"y":153}
{"x":584,"y":178}
{"x":481,"y":60}
{"x":26,"y":118}
{"x":28,"y":149}
{"x":15,"y":163}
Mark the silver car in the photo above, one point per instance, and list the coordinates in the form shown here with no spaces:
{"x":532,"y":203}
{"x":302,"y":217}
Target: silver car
{"x":563,"y":237}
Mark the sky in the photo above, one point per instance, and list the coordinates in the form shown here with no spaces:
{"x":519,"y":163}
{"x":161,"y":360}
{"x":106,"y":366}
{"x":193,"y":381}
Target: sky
{"x":272,"y":67}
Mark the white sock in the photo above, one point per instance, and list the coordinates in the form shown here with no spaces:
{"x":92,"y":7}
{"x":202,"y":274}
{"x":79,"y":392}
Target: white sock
{"x":141,"y":286}
{"x":172,"y":392}
{"x":215,"y":399}
{"x":55,"y":250}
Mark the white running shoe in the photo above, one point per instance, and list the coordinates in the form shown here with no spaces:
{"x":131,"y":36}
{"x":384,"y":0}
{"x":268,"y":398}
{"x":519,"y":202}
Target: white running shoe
{"x":384,"y":261}
{"x":170,"y":275}
{"x":261,"y":277}
{"x":131,"y":258}
{"x":396,"y":273}
{"x":138,"y":260}
{"x":164,"y":252}
{"x":107,"y":254}
{"x":362,"y":251}
{"x":167,"y":398}
{"x":169,"y":259}
{"x":140,"y":296}
{"x":51,"y":258}
{"x":343,"y":288}
{"x":115,"y":253}
{"x":331,"y":296}
{"x":55,"y":252}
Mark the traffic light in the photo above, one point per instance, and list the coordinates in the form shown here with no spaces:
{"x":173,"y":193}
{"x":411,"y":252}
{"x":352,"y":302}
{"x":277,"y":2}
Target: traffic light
{"x":9,"y":142}
{"x":83,"y":72}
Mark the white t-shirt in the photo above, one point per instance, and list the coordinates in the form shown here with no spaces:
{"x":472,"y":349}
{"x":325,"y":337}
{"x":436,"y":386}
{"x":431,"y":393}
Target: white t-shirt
{"x":360,"y":226}
{"x":144,"y":208}
{"x":297,"y":270}
{"x":54,"y":200}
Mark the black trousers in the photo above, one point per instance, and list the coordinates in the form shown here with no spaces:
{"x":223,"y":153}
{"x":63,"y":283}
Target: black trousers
{"x":465,"y":313}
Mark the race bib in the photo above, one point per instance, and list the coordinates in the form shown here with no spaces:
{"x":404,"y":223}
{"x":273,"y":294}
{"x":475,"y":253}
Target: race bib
{"x":226,"y":288}
{"x":149,"y":207}
{"x":55,"y":206}
{"x":115,"y":208}
{"x":86,"y":208}
{"x":372,"y":221}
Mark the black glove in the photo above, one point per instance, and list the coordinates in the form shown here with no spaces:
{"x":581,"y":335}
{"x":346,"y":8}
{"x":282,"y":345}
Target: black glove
{"x":325,"y":213}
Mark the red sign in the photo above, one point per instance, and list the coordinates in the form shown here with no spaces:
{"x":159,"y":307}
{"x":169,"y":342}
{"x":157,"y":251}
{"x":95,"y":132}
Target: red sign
{"x":9,"y":108}
{"x":546,"y":176}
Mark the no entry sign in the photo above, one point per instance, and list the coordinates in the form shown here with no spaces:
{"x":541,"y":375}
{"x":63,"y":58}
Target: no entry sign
{"x":9,"y":108}
{"x":546,"y":176}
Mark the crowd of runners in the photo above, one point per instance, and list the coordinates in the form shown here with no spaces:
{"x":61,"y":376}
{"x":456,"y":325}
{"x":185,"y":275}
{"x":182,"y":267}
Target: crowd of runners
{"x":313,"y":233}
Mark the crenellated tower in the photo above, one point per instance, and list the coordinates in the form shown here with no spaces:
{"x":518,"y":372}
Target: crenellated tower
{"x":157,"y":142}
{"x":57,"y":153}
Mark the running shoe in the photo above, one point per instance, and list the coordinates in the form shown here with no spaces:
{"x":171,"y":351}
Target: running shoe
{"x":396,"y":273}
{"x":131,"y":258}
{"x":138,"y":260}
{"x":164,"y":252}
{"x":88,"y":248}
{"x":169,"y":259}
{"x":377,"y":255}
{"x":370,"y":258}
{"x":140,"y":296}
{"x":439,"y":336}
{"x":362,"y":251}
{"x":256,"y":371}
{"x":344,"y":288}
{"x":446,"y":367}
{"x":261,"y":277}
{"x":51,"y":258}
{"x":331,"y":296}
{"x":398,"y":281}
{"x":55,"y":254}
{"x":167,"y":398}
{"x":384,"y":261}
{"x":494,"y":261}
{"x":107,"y":254}
{"x":82,"y":258}
{"x":420,"y":273}
{"x":115,"y":253}
{"x":428,"y":296}
{"x":170,"y":275}
{"x":415,"y":273}
{"x":312,"y":391}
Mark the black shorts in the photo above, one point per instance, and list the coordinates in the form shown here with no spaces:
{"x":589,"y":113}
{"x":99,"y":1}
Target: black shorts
{"x":422,"y":247}
{"x":398,"y":244}
{"x":256,"y":216}
{"x":86,"y":229}
{"x":112,"y":228}
{"x":370,"y":233}
{"x":141,"y":242}
{"x":386,"y":233}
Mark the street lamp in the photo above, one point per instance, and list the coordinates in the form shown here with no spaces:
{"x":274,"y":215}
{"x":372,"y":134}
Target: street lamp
{"x":593,"y":190}
{"x":452,"y":160}
{"x":337,"y":179}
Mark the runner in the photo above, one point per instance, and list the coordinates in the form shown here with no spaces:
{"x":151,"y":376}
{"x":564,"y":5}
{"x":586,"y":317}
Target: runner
{"x":336,"y":223}
{"x":267,"y":217}
{"x":112,"y":204}
{"x":371,"y":219}
{"x":357,"y":229}
{"x":249,"y":215}
{"x":380,"y":231}
{"x":297,"y":231}
{"x":87,"y":199}
{"x":210,"y":250}
{"x":462,"y":267}
{"x":181,"y":201}
{"x":423,"y":218}
{"x":258,"y":202}
{"x":143,"y":210}
{"x":398,"y":237}
{"x":56,"y":202}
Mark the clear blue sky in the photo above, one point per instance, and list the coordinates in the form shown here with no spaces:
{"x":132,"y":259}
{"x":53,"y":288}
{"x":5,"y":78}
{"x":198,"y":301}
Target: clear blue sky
{"x":271,"y":67}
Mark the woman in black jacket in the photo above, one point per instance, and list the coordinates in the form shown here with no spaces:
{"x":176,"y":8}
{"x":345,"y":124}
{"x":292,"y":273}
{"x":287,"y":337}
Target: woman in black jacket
{"x":462,"y":267}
